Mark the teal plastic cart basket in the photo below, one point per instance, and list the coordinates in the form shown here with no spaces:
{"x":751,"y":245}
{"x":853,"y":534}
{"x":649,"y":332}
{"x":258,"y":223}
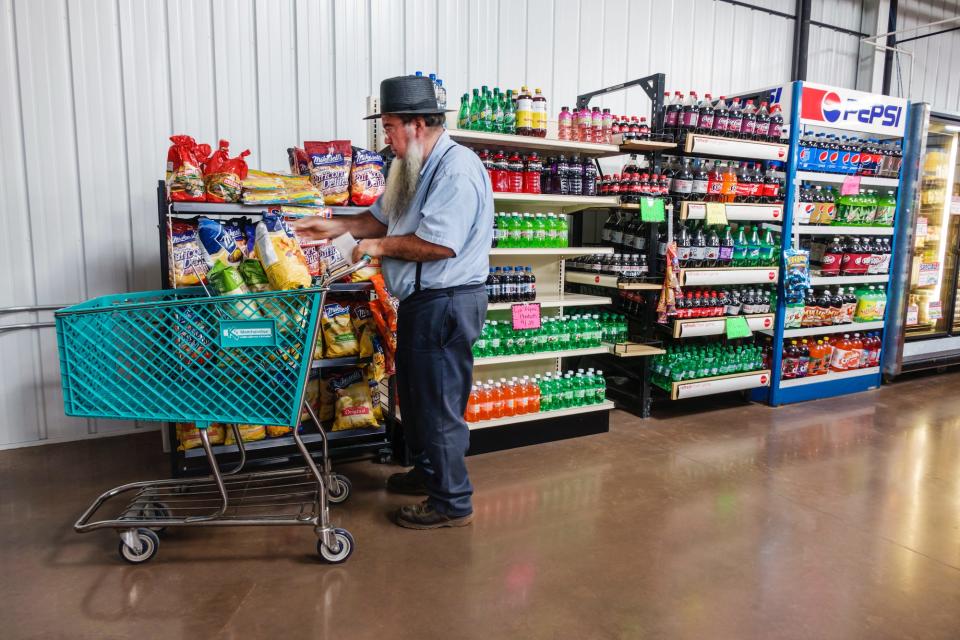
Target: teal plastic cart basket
{"x":182,"y":356}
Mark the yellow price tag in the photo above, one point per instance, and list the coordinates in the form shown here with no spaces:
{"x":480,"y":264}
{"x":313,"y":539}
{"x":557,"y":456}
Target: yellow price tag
{"x":716,"y":214}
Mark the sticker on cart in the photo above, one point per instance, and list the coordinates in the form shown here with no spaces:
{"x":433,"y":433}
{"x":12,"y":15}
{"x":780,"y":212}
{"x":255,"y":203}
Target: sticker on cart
{"x":525,"y":316}
{"x":248,"y":333}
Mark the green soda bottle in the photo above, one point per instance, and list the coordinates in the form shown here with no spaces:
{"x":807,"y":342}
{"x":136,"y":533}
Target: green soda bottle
{"x":754,"y":248}
{"x":520,"y":341}
{"x":463,"y":117}
{"x":546,"y":394}
{"x":514,"y":227}
{"x":494,"y":340}
{"x":579,"y":390}
{"x":496,"y":111}
{"x":503,"y":231}
{"x":476,"y":112}
{"x":740,"y":248}
{"x":508,"y":339}
{"x":568,"y":390}
{"x":886,"y":207}
{"x":600,"y":391}
{"x":539,"y":231}
{"x":550,"y":224}
{"x":768,"y":250}
{"x":480,"y":346}
{"x":486,"y":111}
{"x":527,"y":231}
{"x":577,"y":340}
{"x":509,"y":113}
{"x":563,"y":334}
{"x":562,"y":229}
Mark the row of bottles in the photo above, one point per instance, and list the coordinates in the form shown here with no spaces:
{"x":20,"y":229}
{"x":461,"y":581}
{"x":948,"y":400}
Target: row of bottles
{"x":511,"y":284}
{"x":819,"y":356}
{"x":728,"y":301}
{"x":519,"y":396}
{"x":626,"y":266}
{"x":852,"y":256}
{"x":730,"y":118}
{"x":844,"y":306}
{"x":499,"y":338}
{"x":512,"y":112}
{"x":691,"y":362}
{"x":511,"y":172}
{"x":819,"y":205}
{"x":710,"y":246}
{"x":513,"y":230}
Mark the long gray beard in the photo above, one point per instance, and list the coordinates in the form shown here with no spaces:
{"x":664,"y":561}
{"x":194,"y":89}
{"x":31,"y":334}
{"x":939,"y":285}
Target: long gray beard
{"x":402,"y":181}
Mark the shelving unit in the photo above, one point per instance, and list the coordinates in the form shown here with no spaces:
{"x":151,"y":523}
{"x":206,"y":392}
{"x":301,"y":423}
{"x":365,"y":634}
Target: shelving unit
{"x":795,"y":390}
{"x":541,"y":415}
{"x":508,"y":142}
{"x":553,"y":252}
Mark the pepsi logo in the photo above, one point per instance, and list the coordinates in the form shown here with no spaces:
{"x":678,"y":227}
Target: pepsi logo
{"x":855,"y":158}
{"x":834,"y":156}
{"x":862,"y":111}
{"x":830,"y":106}
{"x":822,"y":156}
{"x":807,"y":208}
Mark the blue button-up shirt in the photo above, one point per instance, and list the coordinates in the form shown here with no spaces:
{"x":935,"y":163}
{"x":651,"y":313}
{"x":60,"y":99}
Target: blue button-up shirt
{"x":457,"y":213}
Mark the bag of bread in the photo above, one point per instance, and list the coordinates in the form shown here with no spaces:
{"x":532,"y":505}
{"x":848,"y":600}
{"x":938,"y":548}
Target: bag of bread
{"x":330,"y":170}
{"x":223,"y":176}
{"x":366,"y":177}
{"x":248,"y":433}
{"x":338,"y":336}
{"x":354,"y":408}
{"x":279,"y":253}
{"x":184,"y":174}
{"x":186,"y":257}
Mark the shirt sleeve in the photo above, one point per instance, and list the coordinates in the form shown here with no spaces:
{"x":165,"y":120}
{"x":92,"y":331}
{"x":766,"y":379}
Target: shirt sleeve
{"x":450,"y":211}
{"x":377,"y":211}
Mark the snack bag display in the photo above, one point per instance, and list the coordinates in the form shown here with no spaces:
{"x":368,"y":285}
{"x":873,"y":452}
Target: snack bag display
{"x":281,"y":256}
{"x":338,"y":336}
{"x":299,"y":161}
{"x":364,"y":328}
{"x":217,"y":244}
{"x":188,"y":436}
{"x":184,"y":173}
{"x":248,"y":433}
{"x":330,"y":169}
{"x":223,"y":176}
{"x":366,"y":177}
{"x":186,"y":257}
{"x":313,"y":249}
{"x":250,"y":268}
{"x":354,"y":407}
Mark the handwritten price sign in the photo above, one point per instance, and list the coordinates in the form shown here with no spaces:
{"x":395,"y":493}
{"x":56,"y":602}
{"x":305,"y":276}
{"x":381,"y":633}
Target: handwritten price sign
{"x":526,"y":316}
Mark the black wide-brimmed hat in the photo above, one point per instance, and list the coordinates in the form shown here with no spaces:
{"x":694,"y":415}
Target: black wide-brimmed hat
{"x":408,"y":94}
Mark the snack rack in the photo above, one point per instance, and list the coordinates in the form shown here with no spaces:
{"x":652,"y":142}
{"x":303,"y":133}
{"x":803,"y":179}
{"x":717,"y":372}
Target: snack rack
{"x":351,"y":443}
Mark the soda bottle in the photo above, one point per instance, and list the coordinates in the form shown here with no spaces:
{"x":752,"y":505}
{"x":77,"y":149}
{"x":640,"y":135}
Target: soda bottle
{"x":568,"y":390}
{"x":644,"y":129}
{"x":531,"y":174}
{"x":706,"y":115}
{"x":514,"y":173}
{"x":526,"y":231}
{"x":748,"y":121}
{"x":683,"y":246}
{"x":539,"y":121}
{"x":564,"y":124}
{"x":840,"y":356}
{"x":493,"y":289}
{"x":720,"y":117}
{"x":740,"y":248}
{"x":698,"y":248}
{"x":803,"y":360}
{"x":562,"y":229}
{"x":560,"y":176}
{"x":579,"y":389}
{"x":855,"y":351}
{"x":588,"y":181}
{"x":775,"y":126}
{"x":729,"y":185}
{"x":509,"y":118}
{"x":671,"y":118}
{"x":472,"y":413}
{"x":700,"y":182}
{"x":734,"y":119}
{"x":494,"y":341}
{"x":690,"y":114}
{"x":832,"y":259}
{"x":886,"y":206}
{"x":524,"y":113}
{"x":476,"y":112}
{"x":769,"y":250}
{"x":496,"y":111}
{"x":551,"y":230}
{"x":463,"y":117}
{"x":761,"y":126}
{"x":713,"y":249}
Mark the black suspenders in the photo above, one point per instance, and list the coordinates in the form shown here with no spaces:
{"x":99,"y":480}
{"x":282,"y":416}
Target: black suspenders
{"x":416,"y":284}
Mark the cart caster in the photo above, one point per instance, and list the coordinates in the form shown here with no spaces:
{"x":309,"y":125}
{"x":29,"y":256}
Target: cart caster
{"x":338,"y":489}
{"x":148,"y":543}
{"x":344,"y":548}
{"x":155,"y":511}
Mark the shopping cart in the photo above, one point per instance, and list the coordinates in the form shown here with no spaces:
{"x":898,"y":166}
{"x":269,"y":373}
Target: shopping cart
{"x":185,"y":356}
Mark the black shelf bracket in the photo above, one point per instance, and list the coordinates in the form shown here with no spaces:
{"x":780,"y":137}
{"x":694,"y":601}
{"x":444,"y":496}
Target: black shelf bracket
{"x":653,"y":85}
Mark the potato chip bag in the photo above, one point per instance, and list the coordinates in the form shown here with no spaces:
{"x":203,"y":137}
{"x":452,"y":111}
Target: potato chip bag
{"x":330,"y":170}
{"x":312,"y":396}
{"x":364,"y":328}
{"x":366,"y":177}
{"x":184,"y":173}
{"x":186,"y":257}
{"x":217,"y":243}
{"x":276,"y":431}
{"x":188,"y":435}
{"x":375,"y":399}
{"x":364,"y":274}
{"x":327,"y":399}
{"x":313,"y":249}
{"x":280,"y":255}
{"x":338,"y":336}
{"x":354,"y":408}
{"x":248,"y":433}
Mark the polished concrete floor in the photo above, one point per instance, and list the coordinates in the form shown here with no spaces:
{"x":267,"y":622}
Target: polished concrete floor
{"x":832,"y":519}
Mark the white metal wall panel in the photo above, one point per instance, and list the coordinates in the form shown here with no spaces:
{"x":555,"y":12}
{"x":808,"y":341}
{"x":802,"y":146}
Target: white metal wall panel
{"x":91,"y":90}
{"x":932,"y":75}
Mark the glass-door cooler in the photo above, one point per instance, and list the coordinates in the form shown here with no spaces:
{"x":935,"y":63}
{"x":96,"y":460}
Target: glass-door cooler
{"x":929,"y":301}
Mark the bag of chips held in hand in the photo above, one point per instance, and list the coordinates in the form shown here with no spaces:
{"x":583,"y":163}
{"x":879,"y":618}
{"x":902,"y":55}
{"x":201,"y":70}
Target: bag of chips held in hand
{"x":281,"y":256}
{"x":330,"y":170}
{"x":354,"y":408}
{"x":366,"y":177}
{"x":184,"y":173}
{"x":338,"y":336}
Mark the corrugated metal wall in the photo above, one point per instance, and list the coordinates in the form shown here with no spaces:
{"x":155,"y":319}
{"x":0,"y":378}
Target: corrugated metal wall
{"x":833,"y":55}
{"x":936,"y":60}
{"x":91,"y":89}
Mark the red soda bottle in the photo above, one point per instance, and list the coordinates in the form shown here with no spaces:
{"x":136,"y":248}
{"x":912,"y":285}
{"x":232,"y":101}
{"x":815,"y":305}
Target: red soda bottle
{"x":515,"y":173}
{"x":832,"y":258}
{"x":643,"y":132}
{"x":531,"y":174}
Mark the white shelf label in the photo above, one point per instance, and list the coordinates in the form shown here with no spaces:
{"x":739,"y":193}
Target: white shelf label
{"x":710,"y":387}
{"x":764,"y":275}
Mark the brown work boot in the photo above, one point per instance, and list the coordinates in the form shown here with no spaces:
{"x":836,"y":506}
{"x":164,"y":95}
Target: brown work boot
{"x":424,"y":516}
{"x":410,"y":483}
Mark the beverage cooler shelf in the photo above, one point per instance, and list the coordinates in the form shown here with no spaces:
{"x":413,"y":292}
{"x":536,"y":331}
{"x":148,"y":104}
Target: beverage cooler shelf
{"x":694,"y":327}
{"x":719,"y":384}
{"x":705,"y":145}
{"x":635,"y":350}
{"x":556,"y":301}
{"x":610,"y":282}
{"x":849,"y":327}
{"x":563,"y":204}
{"x":839,"y":230}
{"x":816,"y":281}
{"x":838,"y":178}
{"x":606,"y":405}
{"x":543,"y":355}
{"x":748,"y":211}
{"x":559,"y":252}
{"x":503,"y":141}
{"x":830,"y":377}
{"x":728,"y":275}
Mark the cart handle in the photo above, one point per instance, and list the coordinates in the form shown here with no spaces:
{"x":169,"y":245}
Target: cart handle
{"x":343,"y":272}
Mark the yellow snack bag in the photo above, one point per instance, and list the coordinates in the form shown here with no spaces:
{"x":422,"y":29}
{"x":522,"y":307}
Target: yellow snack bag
{"x":375,"y":395}
{"x":280,"y":255}
{"x":275,"y":431}
{"x":189,"y":436}
{"x":354,"y":409}
{"x":363,"y":328}
{"x":327,"y":400}
{"x":248,"y":433}
{"x":313,"y":396}
{"x":338,"y":336}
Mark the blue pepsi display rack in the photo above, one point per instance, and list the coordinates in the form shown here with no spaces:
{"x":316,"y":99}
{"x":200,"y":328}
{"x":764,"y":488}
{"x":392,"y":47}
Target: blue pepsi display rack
{"x":839,"y":111}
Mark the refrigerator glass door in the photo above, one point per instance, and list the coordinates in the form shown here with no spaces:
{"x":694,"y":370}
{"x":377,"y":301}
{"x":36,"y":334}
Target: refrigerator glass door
{"x":930,"y":304}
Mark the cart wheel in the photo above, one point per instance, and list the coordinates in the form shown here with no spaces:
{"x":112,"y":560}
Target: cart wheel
{"x":339,"y":555}
{"x":339,"y":488}
{"x":155,"y":511}
{"x":149,"y":543}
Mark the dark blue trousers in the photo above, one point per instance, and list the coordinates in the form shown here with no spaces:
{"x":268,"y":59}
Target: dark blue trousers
{"x":436,"y":330}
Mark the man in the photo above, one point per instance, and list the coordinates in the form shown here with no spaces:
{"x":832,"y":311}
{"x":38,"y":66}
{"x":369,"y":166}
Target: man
{"x":432,"y":230}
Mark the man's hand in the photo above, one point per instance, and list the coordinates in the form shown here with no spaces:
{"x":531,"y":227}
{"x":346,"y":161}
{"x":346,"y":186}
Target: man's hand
{"x":316,"y":228}
{"x":372,"y":248}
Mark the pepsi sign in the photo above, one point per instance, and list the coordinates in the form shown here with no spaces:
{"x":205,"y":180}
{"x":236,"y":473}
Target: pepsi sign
{"x":852,"y":110}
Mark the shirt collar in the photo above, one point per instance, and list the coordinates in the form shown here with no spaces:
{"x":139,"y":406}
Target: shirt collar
{"x":442,"y":144}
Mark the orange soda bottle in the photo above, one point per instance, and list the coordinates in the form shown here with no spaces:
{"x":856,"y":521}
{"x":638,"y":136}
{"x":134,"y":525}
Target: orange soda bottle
{"x":473,"y":405}
{"x":499,"y":405}
{"x":533,"y":401}
{"x":509,"y":398}
{"x":729,"y":184}
{"x":486,"y":402}
{"x":520,"y":396}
